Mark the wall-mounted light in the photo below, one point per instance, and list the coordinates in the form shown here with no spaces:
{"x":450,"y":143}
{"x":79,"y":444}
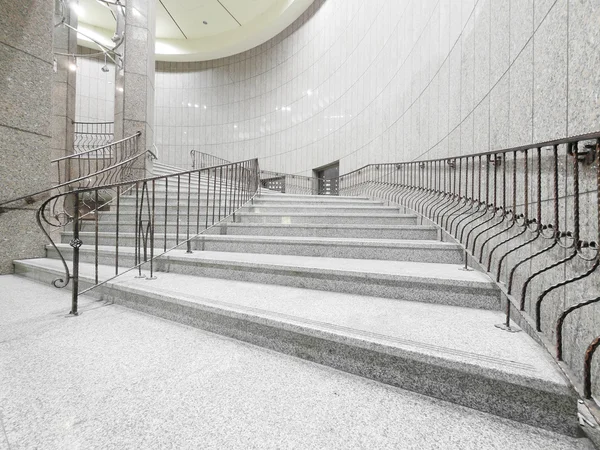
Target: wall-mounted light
{"x":105,"y":68}
{"x":77,"y":8}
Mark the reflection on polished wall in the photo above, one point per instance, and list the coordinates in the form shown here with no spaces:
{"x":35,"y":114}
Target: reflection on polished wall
{"x":389,"y":80}
{"x":95,"y":88}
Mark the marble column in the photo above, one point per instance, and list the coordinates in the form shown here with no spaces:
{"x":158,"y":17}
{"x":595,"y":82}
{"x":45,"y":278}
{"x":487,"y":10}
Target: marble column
{"x":26,"y":63}
{"x":64,"y":87}
{"x":134,"y":93}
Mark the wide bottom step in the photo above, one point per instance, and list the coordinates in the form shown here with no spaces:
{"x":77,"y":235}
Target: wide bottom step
{"x":452,"y":353}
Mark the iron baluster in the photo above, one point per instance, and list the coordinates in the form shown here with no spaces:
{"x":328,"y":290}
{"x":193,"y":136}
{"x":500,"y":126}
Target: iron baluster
{"x":576,"y":242}
{"x":555,"y":234}
{"x":516,"y":217}
{"x":538,"y":221}
{"x":587,"y":368}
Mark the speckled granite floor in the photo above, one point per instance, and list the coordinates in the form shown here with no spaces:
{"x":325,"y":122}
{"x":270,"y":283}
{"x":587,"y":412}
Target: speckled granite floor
{"x":116,"y":378}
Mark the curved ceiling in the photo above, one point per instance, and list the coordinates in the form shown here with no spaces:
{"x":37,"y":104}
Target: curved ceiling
{"x":197,"y":30}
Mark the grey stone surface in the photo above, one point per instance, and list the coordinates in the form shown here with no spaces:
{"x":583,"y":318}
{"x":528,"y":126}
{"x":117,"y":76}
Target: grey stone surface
{"x":394,"y":250}
{"x":27,"y":26}
{"x":64,"y":87}
{"x":26,"y":98}
{"x":583,"y":104}
{"x":25,"y":119}
{"x":521,"y":26}
{"x":348,"y":218}
{"x":324,"y":230}
{"x":115,"y":378}
{"x":424,"y":282}
{"x":19,"y":237}
{"x":134,"y":94}
{"x":521,"y":99}
{"x":550,"y":76}
{"x":24,"y":161}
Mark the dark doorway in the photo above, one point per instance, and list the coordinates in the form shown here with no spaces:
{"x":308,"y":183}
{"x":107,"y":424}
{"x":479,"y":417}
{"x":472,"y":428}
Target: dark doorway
{"x":328,"y":176}
{"x":274,"y":184}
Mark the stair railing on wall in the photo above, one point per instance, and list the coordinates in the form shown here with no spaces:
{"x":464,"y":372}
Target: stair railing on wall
{"x":526,"y":214}
{"x":91,"y":135}
{"x":199,"y":199}
{"x":119,"y":161}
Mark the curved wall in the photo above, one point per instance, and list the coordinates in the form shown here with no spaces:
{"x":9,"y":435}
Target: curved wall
{"x":389,"y":80}
{"x":367,"y":81}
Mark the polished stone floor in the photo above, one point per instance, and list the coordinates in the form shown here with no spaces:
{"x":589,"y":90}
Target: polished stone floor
{"x":113,"y":378}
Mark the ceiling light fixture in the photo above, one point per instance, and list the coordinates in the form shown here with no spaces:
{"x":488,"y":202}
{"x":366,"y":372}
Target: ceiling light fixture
{"x":205,"y":22}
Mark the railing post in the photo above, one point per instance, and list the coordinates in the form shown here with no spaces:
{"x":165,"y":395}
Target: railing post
{"x":75,"y":243}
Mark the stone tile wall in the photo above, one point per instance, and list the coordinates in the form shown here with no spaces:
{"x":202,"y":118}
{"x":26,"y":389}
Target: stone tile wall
{"x":26,"y":65}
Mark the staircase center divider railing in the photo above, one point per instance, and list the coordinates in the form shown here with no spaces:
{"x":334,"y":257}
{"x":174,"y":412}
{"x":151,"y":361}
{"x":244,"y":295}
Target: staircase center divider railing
{"x":90,"y":135}
{"x":200,"y":160}
{"x":197,"y":200}
{"x":275,"y":181}
{"x":119,"y":161}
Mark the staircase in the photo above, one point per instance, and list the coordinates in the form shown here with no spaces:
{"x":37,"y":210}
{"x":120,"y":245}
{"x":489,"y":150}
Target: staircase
{"x":347,"y":282}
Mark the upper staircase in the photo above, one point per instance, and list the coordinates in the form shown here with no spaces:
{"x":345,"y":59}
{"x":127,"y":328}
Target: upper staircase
{"x":348,"y":282}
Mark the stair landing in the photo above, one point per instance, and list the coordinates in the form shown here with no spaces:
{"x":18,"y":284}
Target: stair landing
{"x":117,"y":378}
{"x":448,"y":352}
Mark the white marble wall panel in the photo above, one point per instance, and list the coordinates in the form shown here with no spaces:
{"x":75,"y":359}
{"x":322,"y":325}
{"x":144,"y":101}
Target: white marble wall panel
{"x":388,"y":80}
{"x":95,"y":99}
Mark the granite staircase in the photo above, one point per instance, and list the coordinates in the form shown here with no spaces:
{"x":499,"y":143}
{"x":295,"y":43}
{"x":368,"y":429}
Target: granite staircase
{"x":346,"y":282}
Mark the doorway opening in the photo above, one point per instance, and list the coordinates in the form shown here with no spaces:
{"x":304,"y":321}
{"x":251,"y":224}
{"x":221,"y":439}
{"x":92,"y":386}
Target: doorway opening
{"x":328,"y":179}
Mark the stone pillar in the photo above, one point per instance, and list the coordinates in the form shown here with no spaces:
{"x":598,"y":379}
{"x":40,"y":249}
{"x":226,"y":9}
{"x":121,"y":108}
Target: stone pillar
{"x":26,"y":63}
{"x":134,"y":93}
{"x":64,"y":87}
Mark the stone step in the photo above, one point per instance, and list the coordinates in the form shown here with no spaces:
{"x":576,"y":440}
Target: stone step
{"x":312,"y":200}
{"x":324,"y":217}
{"x":381,"y":249}
{"x":334,"y":209}
{"x":450,"y":353}
{"x":277,"y":195}
{"x":128,"y":214}
{"x":404,"y":232}
{"x":424,"y":282}
{"x":128,"y":205}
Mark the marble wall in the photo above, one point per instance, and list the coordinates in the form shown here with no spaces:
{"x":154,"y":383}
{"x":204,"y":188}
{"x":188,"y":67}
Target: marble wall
{"x":26,"y":64}
{"x":390,"y":80}
{"x":95,"y":88}
{"x":399,"y":80}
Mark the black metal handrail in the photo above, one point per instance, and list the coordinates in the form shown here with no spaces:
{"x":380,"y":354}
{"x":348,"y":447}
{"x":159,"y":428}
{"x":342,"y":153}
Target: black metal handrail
{"x":90,"y":135}
{"x":497,"y":203}
{"x":201,"y":198}
{"x":276,"y":181}
{"x":200,"y":160}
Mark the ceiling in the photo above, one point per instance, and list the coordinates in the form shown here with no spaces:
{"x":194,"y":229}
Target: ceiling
{"x":200,"y":29}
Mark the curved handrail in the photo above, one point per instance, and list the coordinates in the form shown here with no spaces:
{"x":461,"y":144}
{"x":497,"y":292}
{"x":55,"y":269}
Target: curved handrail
{"x":108,"y":173}
{"x":217,"y":193}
